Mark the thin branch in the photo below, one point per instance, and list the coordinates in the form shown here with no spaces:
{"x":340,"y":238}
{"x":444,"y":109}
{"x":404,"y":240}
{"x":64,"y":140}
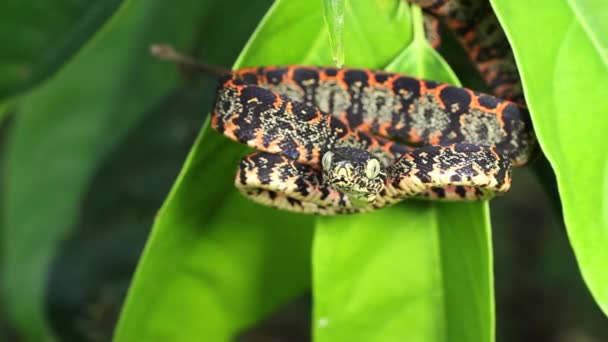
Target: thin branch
{"x":166,"y":52}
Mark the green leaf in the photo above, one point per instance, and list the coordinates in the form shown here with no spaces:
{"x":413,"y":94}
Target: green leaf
{"x":414,"y":272}
{"x":5,"y":110}
{"x":593,"y":17}
{"x":377,"y":276}
{"x":466,"y":265}
{"x":294,"y":33}
{"x":561,"y":54}
{"x":38,"y":37}
{"x":419,"y":58}
{"x":67,"y":127}
{"x":224,"y":262}
{"x":333,"y":12}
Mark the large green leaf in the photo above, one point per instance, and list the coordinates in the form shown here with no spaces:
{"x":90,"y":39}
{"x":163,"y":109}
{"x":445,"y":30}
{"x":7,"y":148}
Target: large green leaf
{"x":560,"y":50}
{"x":378,"y":276}
{"x":37,"y":37}
{"x":592,"y":15}
{"x":68,"y":125}
{"x":222,"y":262}
{"x":413,"y":272}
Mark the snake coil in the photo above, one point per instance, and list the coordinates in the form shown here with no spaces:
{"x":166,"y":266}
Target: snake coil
{"x":467,"y":140}
{"x":334,"y":141}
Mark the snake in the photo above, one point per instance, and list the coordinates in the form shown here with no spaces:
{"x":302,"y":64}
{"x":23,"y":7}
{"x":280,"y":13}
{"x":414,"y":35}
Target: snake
{"x":334,"y":141}
{"x":478,"y":30}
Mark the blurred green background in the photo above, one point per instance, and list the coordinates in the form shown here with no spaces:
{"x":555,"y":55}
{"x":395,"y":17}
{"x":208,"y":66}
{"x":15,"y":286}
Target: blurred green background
{"x":94,"y":131}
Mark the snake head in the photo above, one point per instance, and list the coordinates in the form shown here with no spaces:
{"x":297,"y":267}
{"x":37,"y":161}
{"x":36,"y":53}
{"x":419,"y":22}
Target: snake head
{"x":354,"y":172}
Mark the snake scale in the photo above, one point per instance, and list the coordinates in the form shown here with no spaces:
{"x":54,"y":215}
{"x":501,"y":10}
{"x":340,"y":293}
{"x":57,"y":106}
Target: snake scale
{"x":337,"y":141}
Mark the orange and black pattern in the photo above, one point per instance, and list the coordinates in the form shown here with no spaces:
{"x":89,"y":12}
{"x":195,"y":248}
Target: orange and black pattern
{"x":436,"y":140}
{"x":479,"y":32}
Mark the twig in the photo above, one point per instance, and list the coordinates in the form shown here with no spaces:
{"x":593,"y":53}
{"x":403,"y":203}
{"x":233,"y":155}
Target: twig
{"x":166,"y":52}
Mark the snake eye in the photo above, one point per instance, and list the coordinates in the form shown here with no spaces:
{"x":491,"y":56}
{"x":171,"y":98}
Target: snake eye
{"x":326,"y":161}
{"x":372,"y":169}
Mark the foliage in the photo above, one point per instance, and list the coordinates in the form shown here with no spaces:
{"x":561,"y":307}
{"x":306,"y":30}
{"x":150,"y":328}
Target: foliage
{"x":565,"y":82}
{"x":215,"y":263}
{"x":49,"y":34}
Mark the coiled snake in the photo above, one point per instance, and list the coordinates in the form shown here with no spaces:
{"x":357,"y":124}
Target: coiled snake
{"x":335,"y":141}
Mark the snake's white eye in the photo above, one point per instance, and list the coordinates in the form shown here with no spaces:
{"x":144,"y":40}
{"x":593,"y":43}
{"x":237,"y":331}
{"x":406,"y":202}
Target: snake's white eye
{"x":326,"y":161}
{"x":372,"y":169}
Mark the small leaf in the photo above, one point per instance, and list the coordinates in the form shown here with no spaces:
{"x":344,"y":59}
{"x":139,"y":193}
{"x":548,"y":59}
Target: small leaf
{"x":419,"y":58}
{"x":333,"y":12}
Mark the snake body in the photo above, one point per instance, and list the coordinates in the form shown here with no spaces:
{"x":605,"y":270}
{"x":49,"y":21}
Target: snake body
{"x":430,"y":139}
{"x":478,"y":30}
{"x":333,"y":141}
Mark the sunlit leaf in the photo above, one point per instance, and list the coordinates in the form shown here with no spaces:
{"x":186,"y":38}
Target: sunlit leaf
{"x":561,"y":54}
